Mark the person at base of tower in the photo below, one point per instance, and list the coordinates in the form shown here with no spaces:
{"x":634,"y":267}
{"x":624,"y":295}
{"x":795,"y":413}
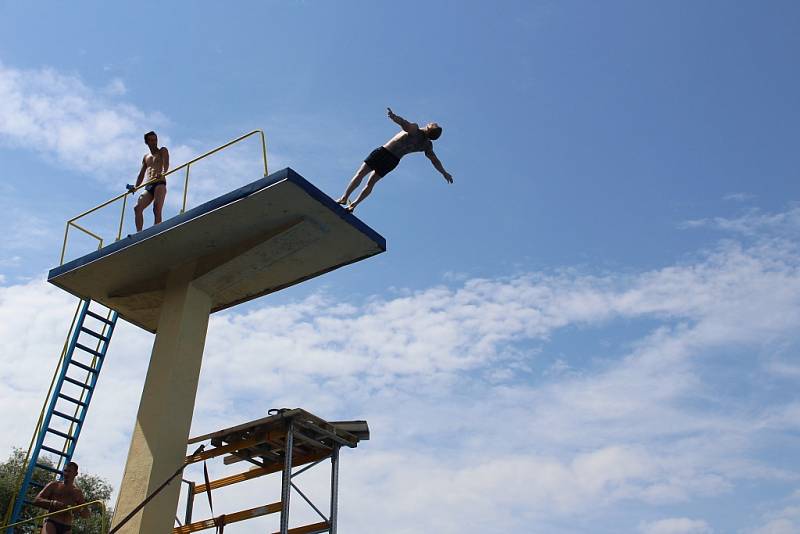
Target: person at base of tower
{"x":384,"y":159}
{"x":57,"y":496}
{"x":155,"y":165}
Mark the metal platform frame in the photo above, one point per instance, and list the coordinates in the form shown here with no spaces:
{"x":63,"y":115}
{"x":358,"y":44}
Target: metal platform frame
{"x":290,"y":438}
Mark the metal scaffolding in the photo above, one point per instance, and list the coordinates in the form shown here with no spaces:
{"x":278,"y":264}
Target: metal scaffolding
{"x":288,"y":439}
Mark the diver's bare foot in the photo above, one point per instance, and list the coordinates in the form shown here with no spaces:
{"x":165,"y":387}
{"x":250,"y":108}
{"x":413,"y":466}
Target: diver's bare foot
{"x":350,"y":208}
{"x":342,"y":201}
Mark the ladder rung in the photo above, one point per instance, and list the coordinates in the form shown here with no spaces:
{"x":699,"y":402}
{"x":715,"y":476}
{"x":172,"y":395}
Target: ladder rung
{"x":48,"y":468}
{"x":90,"y":351}
{"x":67,"y":417}
{"x":70,"y":399}
{"x":54,"y":451}
{"x":99,"y":317}
{"x":59,"y":433}
{"x":77,"y":383}
{"x":94,"y":334}
{"x":83,"y":366}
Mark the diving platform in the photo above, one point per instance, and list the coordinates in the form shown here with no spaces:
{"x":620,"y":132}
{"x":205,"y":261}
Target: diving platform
{"x":268,"y":235}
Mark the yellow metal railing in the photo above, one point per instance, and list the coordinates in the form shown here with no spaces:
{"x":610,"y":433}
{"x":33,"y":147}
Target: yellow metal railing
{"x":45,"y":516}
{"x":124,"y":196}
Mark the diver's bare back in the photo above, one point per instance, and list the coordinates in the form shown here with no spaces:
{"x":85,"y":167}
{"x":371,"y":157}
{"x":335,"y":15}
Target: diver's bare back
{"x":405,"y":142}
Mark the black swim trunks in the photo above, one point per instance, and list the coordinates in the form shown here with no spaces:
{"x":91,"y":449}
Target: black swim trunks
{"x":382,"y":161}
{"x":152,"y":187}
{"x":61,"y":528}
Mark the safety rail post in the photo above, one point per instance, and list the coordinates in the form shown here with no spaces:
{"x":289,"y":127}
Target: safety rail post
{"x":189,"y":501}
{"x":264,"y":152}
{"x":286,"y":480}
{"x":334,"y":515}
{"x":64,"y":246}
{"x":122,"y":215}
{"x":185,"y":189}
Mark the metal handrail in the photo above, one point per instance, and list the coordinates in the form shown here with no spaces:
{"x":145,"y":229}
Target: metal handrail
{"x":124,"y":196}
{"x":44,"y":516}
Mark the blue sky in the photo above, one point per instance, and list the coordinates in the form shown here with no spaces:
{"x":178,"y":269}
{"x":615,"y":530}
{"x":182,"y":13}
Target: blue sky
{"x":616,"y":266}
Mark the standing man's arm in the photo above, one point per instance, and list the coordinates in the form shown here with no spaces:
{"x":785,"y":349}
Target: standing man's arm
{"x":409,"y":127}
{"x":165,"y":160}
{"x":438,"y":165}
{"x":141,"y":174}
{"x":44,"y":499}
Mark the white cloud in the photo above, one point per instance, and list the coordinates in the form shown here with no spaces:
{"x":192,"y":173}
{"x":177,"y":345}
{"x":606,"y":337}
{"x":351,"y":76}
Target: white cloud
{"x":676,"y":525}
{"x":784,"y":519}
{"x":739,"y":197}
{"x":415,"y":357}
{"x":59,"y":115}
{"x":22,"y":229}
{"x":754,"y":222}
{"x":92,"y":130}
{"x":469,"y":430}
{"x":116,"y":87}
{"x":778,"y":526}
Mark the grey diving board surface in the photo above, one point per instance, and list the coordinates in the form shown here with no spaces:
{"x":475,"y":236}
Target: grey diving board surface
{"x":268,"y":235}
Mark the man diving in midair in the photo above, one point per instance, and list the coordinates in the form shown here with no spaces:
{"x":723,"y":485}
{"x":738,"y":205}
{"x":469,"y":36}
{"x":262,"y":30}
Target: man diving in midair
{"x":384,"y":159}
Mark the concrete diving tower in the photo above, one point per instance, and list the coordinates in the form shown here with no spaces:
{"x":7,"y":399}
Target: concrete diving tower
{"x":268,"y":235}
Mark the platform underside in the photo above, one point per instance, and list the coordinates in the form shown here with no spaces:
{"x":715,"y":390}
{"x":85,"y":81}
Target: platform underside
{"x":263,"y":237}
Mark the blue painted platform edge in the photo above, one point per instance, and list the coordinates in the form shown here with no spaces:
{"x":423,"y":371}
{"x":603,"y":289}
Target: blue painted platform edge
{"x":324,"y":199}
{"x":211,"y":205}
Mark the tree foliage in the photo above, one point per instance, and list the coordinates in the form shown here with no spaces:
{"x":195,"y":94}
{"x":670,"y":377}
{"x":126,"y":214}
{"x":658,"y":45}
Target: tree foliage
{"x":92,"y":486}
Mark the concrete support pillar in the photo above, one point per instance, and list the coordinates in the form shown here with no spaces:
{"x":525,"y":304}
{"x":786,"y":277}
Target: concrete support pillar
{"x":158,"y":446}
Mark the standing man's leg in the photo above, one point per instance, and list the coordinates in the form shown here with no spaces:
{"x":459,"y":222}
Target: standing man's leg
{"x":373,"y":179}
{"x":144,"y":200}
{"x":160,"y":194}
{"x":355,"y":182}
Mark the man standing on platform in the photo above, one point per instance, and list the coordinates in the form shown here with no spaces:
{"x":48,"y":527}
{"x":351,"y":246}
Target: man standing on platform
{"x":155,"y":165}
{"x":57,"y":496}
{"x":384,"y":159}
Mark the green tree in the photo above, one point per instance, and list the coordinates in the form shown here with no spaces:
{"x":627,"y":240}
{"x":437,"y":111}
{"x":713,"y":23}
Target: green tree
{"x":92,"y":486}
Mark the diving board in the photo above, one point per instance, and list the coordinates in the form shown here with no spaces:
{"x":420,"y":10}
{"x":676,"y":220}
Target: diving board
{"x":268,"y":235}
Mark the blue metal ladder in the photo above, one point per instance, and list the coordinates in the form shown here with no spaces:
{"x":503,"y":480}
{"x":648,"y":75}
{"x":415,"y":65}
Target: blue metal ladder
{"x":69,"y":398}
